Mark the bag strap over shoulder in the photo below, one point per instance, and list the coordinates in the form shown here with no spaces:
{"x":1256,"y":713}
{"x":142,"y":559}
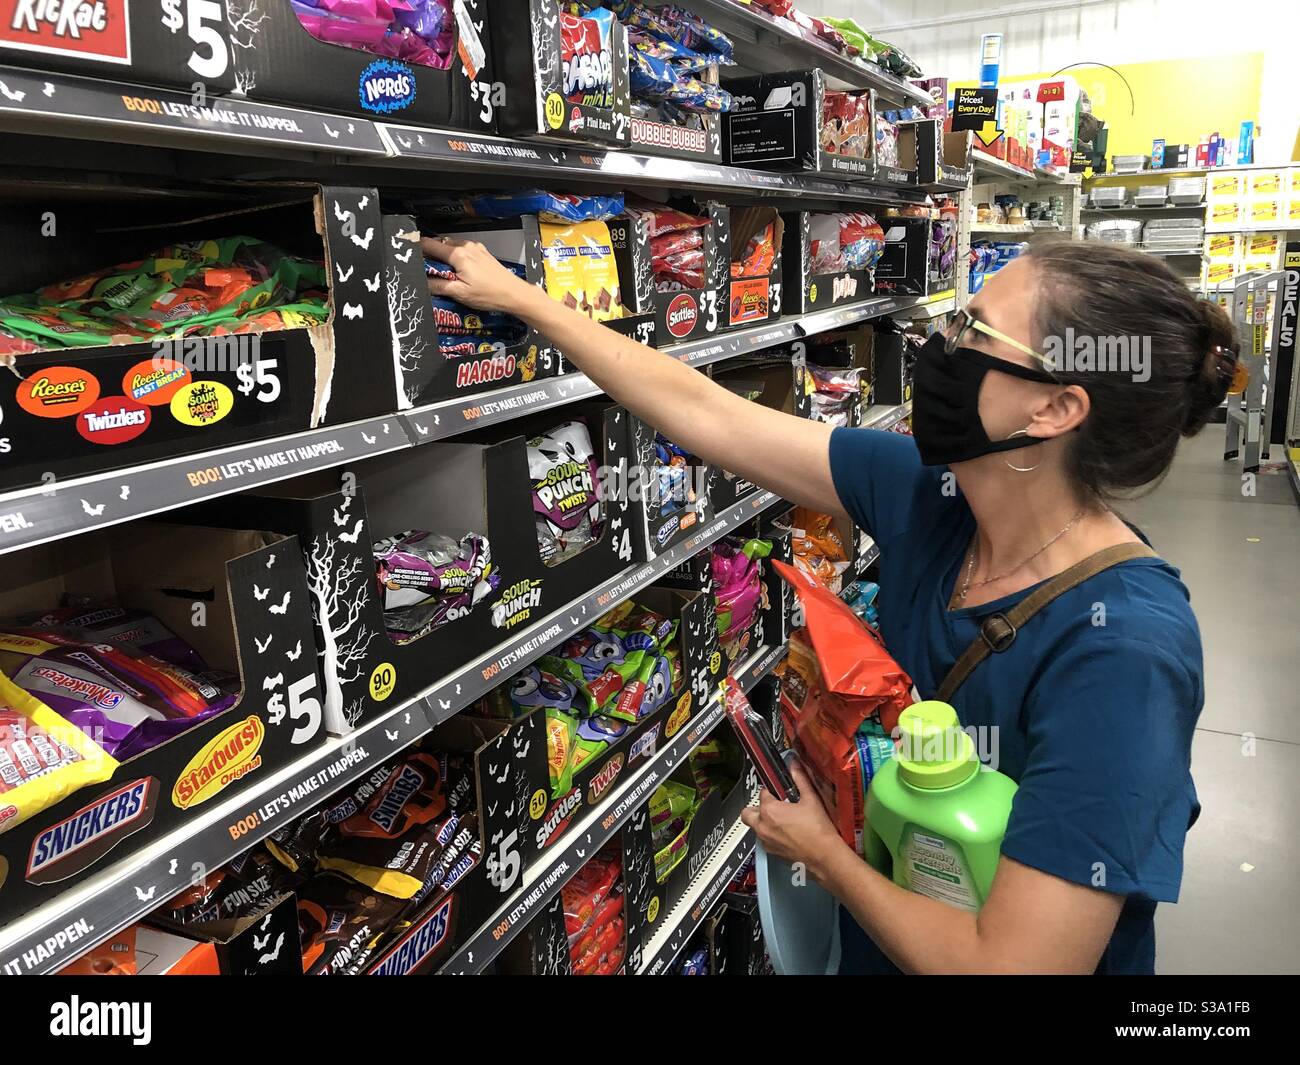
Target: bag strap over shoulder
{"x":998,"y":631}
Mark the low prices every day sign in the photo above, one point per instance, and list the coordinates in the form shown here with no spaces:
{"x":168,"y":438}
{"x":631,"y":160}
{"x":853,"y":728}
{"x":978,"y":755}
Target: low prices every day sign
{"x":977,"y":110}
{"x":87,"y":29}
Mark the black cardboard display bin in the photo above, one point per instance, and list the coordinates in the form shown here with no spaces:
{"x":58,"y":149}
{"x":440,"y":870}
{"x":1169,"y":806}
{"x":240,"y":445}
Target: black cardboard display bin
{"x":520,"y":818}
{"x":771,"y":375}
{"x":240,"y":598}
{"x":809,"y":291}
{"x":670,"y":508}
{"x":904,"y":267}
{"x":678,"y":142}
{"x":753,"y":300}
{"x":222,"y":390}
{"x":479,"y":483}
{"x":256,"y":49}
{"x":264,"y":943}
{"x":692,"y":313}
{"x":776,"y":124}
{"x":527,"y":57}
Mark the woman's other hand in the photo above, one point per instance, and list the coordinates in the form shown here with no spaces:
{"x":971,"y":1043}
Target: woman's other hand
{"x":795,"y":831}
{"x":481,"y":282}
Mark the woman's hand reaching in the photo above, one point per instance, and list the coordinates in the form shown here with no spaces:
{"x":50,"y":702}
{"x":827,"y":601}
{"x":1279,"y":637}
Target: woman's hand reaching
{"x":796,"y":831}
{"x":481,"y":281}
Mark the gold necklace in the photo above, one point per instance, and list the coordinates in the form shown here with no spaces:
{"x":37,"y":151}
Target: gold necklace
{"x":974,"y":551}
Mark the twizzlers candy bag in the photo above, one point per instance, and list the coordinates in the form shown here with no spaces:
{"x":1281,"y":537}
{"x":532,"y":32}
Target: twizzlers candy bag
{"x":588,"y":62}
{"x":838,"y":686}
{"x":570,"y":518}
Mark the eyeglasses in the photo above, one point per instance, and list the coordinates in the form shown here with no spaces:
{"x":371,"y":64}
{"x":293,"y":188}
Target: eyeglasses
{"x":965,"y":321}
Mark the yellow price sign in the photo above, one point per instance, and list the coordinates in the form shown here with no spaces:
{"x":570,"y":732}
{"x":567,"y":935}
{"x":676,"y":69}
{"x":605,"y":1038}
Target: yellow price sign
{"x":812,"y":292}
{"x":715,"y":662}
{"x":555,"y":110}
{"x":652,"y":911}
{"x":537,"y":804}
{"x":382,"y":681}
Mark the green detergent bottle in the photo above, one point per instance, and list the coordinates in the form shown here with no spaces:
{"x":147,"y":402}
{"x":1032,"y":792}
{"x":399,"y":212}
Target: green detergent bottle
{"x":935,"y":816}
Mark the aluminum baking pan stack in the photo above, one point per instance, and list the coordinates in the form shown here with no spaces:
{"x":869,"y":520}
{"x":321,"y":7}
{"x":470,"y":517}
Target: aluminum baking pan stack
{"x":1109,"y":196}
{"x":1115,"y":231}
{"x":1186,"y":191}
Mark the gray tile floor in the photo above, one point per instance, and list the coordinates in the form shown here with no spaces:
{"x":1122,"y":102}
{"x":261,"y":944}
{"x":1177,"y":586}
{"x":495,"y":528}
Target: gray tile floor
{"x":1240,"y":557}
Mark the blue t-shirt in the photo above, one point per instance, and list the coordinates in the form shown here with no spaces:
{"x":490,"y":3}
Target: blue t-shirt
{"x":1095,"y":701}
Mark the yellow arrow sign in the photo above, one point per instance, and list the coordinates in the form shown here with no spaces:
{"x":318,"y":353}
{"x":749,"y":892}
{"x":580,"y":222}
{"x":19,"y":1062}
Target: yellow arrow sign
{"x":988,"y":133}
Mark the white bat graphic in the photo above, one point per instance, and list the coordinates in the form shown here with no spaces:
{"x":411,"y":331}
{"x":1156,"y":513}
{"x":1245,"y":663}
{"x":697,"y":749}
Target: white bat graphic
{"x":457,"y":689}
{"x":344,"y":277}
{"x":392,"y":735}
{"x":402,"y":141}
{"x":364,"y":242}
{"x":364,"y":202}
{"x":437,"y":419}
{"x":295,"y":654}
{"x":260,"y":942}
{"x":269,"y":684}
{"x":353,"y":310}
{"x":332,"y":132}
{"x":445,"y":703}
{"x":580,"y":853}
{"x":407,"y":717}
{"x":351,"y":538}
{"x":352,"y":128}
{"x":385,"y":428}
{"x":171,"y":869}
{"x":341,"y":513}
{"x":284,"y":605}
{"x":16,"y":95}
{"x":49,"y":89}
{"x":261,"y":647}
{"x":260,"y":593}
{"x":146,"y":896}
{"x":125,"y":493}
{"x":405,"y":257}
{"x":270,"y":560}
{"x":95,"y":511}
{"x":420,"y":137}
{"x":262,"y":959}
{"x":341,"y":214}
{"x":423,"y":430}
{"x":616,"y":524}
{"x":368,"y":438}
{"x":371,"y":286}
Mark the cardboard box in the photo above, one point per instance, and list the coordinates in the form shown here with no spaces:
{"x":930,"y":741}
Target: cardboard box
{"x":1223,"y":245}
{"x":808,"y":288}
{"x":756,"y":299}
{"x":1265,"y":211}
{"x":776,"y":124}
{"x":239,"y":597}
{"x":904,"y":268}
{"x":1224,"y":213}
{"x":712,"y":821}
{"x":520,"y":816}
{"x":678,"y":142}
{"x":675,"y":500}
{"x":218,"y":390}
{"x":255,"y":50}
{"x":531,"y":66}
{"x":1229,"y":186}
{"x":768,"y":379}
{"x":1217,"y":271}
{"x":1267,"y":183}
{"x":263,"y":944}
{"x":478,"y":484}
{"x":938,"y":156}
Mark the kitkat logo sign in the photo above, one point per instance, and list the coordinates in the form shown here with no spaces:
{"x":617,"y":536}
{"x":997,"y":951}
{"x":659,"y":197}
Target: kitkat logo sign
{"x":113,"y":420}
{"x":86,"y":29}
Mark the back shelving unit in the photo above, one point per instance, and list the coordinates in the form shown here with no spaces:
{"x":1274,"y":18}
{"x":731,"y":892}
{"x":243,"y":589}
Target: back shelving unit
{"x":111,"y":131}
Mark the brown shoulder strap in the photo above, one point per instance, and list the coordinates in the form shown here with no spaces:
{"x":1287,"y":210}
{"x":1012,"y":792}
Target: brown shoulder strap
{"x":998,"y":631}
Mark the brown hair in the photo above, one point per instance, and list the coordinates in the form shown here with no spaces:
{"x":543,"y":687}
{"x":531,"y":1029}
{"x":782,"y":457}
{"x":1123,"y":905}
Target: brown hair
{"x":1099,"y":290}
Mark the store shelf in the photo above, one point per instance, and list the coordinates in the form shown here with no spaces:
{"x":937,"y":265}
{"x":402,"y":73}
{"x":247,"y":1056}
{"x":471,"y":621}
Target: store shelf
{"x":766,"y":43}
{"x":1266,"y":227}
{"x":74,"y":921}
{"x":42,"y":513}
{"x":1178,"y":172}
{"x":884,"y":417}
{"x":1127,"y":208}
{"x":934,"y":307}
{"x":680,"y":923}
{"x":1170,"y":252}
{"x":544,"y":881}
{"x":1027,"y":228}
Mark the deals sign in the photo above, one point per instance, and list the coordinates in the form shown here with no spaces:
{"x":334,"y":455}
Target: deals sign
{"x":87,"y":29}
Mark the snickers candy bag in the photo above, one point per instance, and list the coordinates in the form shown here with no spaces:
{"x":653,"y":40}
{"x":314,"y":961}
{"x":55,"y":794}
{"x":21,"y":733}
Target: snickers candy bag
{"x":340,"y":921}
{"x":568,"y":512}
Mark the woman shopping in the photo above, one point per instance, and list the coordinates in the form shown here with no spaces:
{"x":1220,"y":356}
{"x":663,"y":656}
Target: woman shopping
{"x":1005,"y":486}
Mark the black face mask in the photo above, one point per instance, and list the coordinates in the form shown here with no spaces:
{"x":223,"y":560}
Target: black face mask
{"x":946,"y":393}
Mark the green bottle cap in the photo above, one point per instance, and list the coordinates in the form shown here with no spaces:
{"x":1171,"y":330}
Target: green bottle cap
{"x":935,"y":752}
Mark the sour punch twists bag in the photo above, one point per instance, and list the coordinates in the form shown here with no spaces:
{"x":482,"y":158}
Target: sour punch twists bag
{"x":569,"y":514}
{"x":428,"y":579}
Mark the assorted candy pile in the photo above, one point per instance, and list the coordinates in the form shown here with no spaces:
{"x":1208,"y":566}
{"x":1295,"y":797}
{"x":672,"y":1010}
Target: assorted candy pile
{"x":818,"y":548}
{"x":836,"y":394}
{"x":427,"y":579}
{"x":852,"y":240}
{"x":463,"y":330}
{"x":596,"y":686}
{"x":674,"y":58}
{"x":886,"y":142}
{"x":737,"y":590}
{"x":593,"y":915}
{"x":846,"y":124}
{"x":195,"y":288}
{"x":671,"y":488}
{"x":568,"y":512}
{"x":674,"y":804}
{"x":415,"y":31}
{"x":757,"y":256}
{"x":676,"y":246}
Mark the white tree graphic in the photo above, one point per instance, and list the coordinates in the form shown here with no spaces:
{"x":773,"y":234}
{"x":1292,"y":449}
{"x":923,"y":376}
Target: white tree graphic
{"x":340,"y":590}
{"x":245,"y":18}
{"x":406,"y":309}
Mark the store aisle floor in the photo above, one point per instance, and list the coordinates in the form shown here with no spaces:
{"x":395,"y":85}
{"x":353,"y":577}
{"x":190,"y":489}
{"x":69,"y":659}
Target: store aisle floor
{"x":1239,"y":556}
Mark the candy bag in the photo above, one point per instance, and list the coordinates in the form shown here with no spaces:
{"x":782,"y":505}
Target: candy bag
{"x":427,"y":579}
{"x":737,"y":589}
{"x":586,"y":51}
{"x":837,"y":675}
{"x":581,"y":273}
{"x":548,"y":206}
{"x":43,"y":758}
{"x":569,"y":515}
